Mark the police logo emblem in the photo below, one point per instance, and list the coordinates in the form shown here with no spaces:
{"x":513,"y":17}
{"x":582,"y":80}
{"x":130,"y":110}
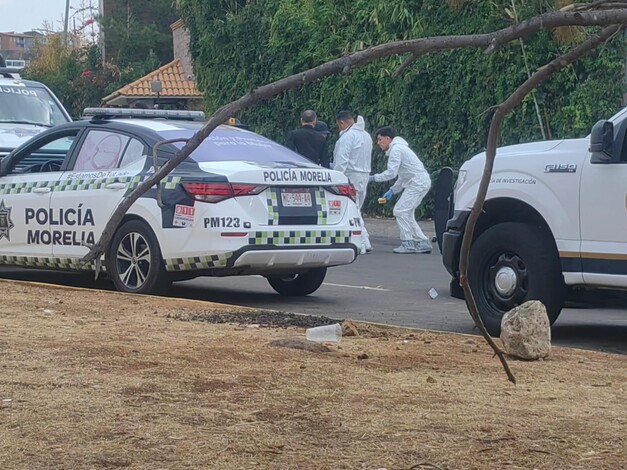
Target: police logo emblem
{"x":6,"y":224}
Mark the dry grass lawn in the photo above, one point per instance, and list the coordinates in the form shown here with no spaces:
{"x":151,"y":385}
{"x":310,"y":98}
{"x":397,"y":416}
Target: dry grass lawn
{"x":101,"y":380}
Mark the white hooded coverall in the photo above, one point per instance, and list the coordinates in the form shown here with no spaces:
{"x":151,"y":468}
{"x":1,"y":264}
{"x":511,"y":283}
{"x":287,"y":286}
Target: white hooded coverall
{"x":413,"y":180}
{"x":352,"y":156}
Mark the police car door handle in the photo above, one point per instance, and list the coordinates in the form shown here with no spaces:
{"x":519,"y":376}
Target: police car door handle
{"x":41,"y":190}
{"x":116,"y":186}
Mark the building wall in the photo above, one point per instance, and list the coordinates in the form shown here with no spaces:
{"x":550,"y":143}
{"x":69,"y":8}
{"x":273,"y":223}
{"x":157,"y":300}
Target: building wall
{"x":16,"y":46}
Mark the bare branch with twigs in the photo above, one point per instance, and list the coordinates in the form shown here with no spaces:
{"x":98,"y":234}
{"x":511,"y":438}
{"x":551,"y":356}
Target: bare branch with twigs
{"x":490,"y":42}
{"x":418,"y":47}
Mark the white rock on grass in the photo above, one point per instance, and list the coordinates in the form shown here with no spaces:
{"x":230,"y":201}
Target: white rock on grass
{"x":526,"y":332}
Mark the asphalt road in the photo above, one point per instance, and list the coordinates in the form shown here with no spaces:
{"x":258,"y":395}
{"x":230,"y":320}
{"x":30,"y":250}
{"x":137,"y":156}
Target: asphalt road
{"x":388,"y":288}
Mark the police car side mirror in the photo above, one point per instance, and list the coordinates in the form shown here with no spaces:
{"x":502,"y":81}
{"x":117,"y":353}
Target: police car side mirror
{"x":602,"y":142}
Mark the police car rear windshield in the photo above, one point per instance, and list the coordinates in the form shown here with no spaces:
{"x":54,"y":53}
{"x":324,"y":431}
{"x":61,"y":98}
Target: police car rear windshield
{"x":22,"y":104}
{"x":229,"y":144}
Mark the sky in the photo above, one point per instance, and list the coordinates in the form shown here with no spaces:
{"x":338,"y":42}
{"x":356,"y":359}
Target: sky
{"x":28,"y":15}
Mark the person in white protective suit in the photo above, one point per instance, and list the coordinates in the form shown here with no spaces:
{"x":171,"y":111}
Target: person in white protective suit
{"x":352,"y":156}
{"x":414,"y":183}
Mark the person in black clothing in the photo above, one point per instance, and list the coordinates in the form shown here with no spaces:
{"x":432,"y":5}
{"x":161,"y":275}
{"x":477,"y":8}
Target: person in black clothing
{"x":322,"y":127}
{"x":309,"y":142}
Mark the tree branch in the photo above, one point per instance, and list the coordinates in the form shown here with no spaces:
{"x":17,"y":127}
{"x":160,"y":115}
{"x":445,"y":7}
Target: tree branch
{"x":499,"y":115}
{"x":416,"y":47}
{"x":404,"y":66}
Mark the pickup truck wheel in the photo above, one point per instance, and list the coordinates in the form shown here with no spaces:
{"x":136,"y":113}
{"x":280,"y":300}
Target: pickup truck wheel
{"x":510,"y":264}
{"x":294,"y":285}
{"x":134,"y":260}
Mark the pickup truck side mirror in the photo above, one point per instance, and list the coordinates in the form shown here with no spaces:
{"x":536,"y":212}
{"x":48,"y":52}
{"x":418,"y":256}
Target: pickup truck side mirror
{"x":602,"y":142}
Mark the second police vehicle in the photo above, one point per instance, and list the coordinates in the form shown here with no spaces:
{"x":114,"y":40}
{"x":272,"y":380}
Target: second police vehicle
{"x":26,"y":109}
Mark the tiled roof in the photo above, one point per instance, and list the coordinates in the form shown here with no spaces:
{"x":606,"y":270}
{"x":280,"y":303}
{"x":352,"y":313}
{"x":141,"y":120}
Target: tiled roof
{"x":174,"y":84}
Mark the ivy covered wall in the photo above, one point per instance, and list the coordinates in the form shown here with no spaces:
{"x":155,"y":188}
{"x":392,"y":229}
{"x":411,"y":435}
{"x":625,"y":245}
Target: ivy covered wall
{"x":440,"y":104}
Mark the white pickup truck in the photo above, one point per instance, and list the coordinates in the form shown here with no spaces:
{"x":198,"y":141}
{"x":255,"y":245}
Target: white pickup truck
{"x":555,"y":217}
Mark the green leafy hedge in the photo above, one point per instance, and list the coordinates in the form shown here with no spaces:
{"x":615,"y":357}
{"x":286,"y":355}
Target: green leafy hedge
{"x":439,"y":105}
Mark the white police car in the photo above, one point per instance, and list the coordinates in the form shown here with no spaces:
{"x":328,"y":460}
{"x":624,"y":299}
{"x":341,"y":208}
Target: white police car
{"x":240,"y":204}
{"x":26,"y":109}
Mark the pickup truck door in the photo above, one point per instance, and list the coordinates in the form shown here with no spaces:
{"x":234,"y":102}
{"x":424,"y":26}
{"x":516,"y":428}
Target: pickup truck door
{"x":604,"y":223}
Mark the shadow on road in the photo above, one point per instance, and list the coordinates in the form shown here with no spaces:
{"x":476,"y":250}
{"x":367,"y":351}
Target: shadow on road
{"x":236,"y":295}
{"x":606,"y":338}
{"x":609,"y":336}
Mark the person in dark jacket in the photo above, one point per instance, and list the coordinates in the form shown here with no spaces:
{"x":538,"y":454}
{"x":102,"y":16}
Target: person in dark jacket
{"x":309,"y":142}
{"x":323,"y":128}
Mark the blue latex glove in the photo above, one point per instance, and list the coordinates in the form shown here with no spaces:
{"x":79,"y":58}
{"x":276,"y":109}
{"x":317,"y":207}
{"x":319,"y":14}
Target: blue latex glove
{"x":370,"y":178}
{"x":388,"y":195}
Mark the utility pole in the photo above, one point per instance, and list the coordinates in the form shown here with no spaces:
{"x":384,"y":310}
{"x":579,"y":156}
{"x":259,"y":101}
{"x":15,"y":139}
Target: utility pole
{"x":67,"y":18}
{"x":101,"y":37}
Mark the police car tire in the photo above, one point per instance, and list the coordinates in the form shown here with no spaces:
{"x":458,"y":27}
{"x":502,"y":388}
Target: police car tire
{"x":157,"y":278}
{"x":535,"y":256}
{"x":298,"y":284}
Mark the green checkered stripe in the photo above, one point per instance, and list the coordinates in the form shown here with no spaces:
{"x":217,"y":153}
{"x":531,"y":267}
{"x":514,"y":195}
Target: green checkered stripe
{"x":198,"y":262}
{"x":272,"y":198}
{"x":19,"y":188}
{"x":88,"y":184}
{"x":72,"y":264}
{"x":300,"y":237}
{"x":169,"y":182}
{"x":321,"y":206}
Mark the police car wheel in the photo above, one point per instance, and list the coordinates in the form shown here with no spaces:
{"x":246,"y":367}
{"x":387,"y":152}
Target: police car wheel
{"x":134,"y":260}
{"x":511,"y":263}
{"x":294,"y":285}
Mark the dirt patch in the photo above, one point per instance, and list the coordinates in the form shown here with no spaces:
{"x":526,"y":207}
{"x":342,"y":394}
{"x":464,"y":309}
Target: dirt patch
{"x":261,"y":318}
{"x":101,"y":380}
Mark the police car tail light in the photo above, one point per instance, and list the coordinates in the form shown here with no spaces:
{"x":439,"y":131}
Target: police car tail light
{"x":216,"y":192}
{"x":347,"y":190}
{"x":246,"y":189}
{"x":209,"y":192}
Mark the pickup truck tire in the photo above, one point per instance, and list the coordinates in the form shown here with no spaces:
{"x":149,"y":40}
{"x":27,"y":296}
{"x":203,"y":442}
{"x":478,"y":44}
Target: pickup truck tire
{"x":296,"y":285}
{"x":511,"y":263}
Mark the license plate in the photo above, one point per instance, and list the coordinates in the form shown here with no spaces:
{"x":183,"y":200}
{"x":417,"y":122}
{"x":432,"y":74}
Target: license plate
{"x":296,"y":199}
